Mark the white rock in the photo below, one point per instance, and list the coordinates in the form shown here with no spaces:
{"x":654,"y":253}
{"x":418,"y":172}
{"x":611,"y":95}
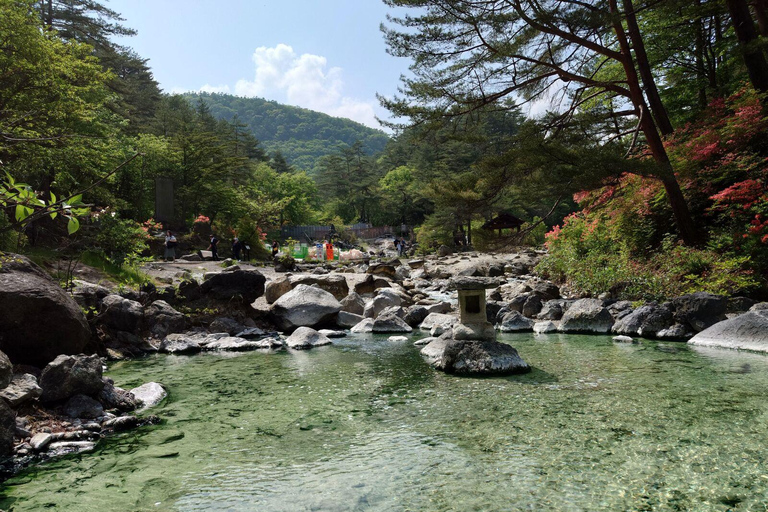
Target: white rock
{"x":150,"y":394}
{"x":397,"y":339}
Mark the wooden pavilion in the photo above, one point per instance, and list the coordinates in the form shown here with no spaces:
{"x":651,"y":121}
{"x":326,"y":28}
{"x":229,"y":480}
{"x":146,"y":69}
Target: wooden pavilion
{"x":503,"y":221}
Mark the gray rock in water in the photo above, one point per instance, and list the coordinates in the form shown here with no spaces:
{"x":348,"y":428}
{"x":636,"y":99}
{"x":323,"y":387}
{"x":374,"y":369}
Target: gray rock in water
{"x":353,"y":303}
{"x":515,"y":322}
{"x":113,"y":397}
{"x":347,"y":320}
{"x":40,"y":441}
{"x":161,"y":319}
{"x":744,"y":332}
{"x":122,"y":423}
{"x":532,"y":306}
{"x":675,"y":332}
{"x":39,"y":319}
{"x":425,"y":341}
{"x":305,"y":337}
{"x":624,"y":339}
{"x":390,"y":323}
{"x":433,"y":351}
{"x":149,"y":394}
{"x":397,"y":339}
{"x":587,"y":315}
{"x":433,"y":319}
{"x":332,"y":334}
{"x":304,"y":306}
{"x":60,"y":448}
{"x":180,"y":344}
{"x":122,"y":314}
{"x":67,"y":376}
{"x":470,"y":357}
{"x":235,"y":344}
{"x":22,"y":389}
{"x":699,"y":310}
{"x":544,"y":327}
{"x":81,"y":406}
{"x":647,"y":320}
{"x":241,"y":285}
{"x":365,"y":325}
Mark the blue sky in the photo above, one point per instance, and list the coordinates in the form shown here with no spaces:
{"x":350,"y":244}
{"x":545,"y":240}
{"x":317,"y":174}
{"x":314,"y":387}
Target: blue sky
{"x":325,"y":55}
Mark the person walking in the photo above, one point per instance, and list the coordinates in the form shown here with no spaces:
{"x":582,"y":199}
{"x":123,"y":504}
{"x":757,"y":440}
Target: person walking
{"x":214,"y":248}
{"x":236,"y":248}
{"x":170,"y":246}
{"x":275,"y":248}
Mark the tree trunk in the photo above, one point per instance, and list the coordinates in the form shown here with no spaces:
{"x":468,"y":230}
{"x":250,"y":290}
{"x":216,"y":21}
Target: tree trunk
{"x":757,"y":67}
{"x":683,"y":220}
{"x":651,"y":91}
{"x":701,"y":73}
{"x":761,"y":13}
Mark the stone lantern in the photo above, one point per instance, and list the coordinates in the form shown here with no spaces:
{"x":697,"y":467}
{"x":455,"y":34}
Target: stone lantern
{"x":474,"y":324}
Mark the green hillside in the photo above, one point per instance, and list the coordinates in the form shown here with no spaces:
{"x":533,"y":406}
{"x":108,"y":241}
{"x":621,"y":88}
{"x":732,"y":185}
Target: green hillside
{"x":301,"y":135}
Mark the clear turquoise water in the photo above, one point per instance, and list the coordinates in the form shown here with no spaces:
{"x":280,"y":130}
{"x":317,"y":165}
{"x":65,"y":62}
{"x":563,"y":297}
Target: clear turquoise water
{"x":367,"y":425}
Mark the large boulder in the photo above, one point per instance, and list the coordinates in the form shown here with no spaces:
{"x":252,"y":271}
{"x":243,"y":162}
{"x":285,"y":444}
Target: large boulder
{"x":380,"y":303}
{"x":6,"y":370}
{"x":67,"y":376}
{"x":744,"y":332}
{"x":38,"y":319}
{"x":241,"y":285}
{"x":433,"y":319}
{"x":334,"y":284}
{"x":122,"y":314}
{"x":113,"y":397}
{"x":180,"y":344}
{"x":347,"y":320}
{"x":382,"y":269}
{"x":647,"y":321}
{"x":306,"y":337}
{"x":149,"y":395}
{"x":304,"y":306}
{"x":587,"y":315}
{"x":545,"y":290}
{"x":161,"y":319}
{"x":415,"y":315}
{"x":471,"y":357}
{"x":699,"y":310}
{"x":82,"y":406}
{"x":552,"y":310}
{"x":532,"y":306}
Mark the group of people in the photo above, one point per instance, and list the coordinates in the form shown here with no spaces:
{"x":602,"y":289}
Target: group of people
{"x":238,"y":247}
{"x":400,"y":246}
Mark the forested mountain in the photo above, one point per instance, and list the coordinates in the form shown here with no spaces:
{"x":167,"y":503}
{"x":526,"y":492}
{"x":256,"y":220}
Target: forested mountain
{"x":302,"y":136}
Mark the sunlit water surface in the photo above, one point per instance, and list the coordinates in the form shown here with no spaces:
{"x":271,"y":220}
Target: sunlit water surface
{"x":365,"y":424}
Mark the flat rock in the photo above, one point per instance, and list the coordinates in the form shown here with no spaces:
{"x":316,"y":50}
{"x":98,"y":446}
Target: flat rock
{"x":471,"y":357}
{"x":544,"y":327}
{"x":744,"y":332}
{"x":22,"y":389}
{"x":515,"y":322}
{"x":180,"y":344}
{"x":433,"y":319}
{"x":587,"y":315}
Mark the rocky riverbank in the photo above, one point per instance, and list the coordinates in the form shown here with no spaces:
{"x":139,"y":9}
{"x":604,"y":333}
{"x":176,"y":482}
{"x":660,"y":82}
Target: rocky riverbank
{"x":56,"y":399}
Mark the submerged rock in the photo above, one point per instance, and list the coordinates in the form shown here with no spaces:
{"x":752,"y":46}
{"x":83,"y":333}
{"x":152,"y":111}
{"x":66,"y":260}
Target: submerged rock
{"x":67,"y":376}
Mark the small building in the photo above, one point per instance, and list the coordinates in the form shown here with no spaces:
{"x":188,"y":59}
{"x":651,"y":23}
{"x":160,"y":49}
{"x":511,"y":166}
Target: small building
{"x":503,"y":221}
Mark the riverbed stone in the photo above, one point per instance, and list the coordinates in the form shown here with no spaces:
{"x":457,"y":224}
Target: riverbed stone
{"x":113,"y":397}
{"x":699,"y":310}
{"x":180,"y":344}
{"x":364,"y":326}
{"x":675,"y":332}
{"x":149,"y":395}
{"x":305,"y":337}
{"x":67,"y":376}
{"x":514,"y":321}
{"x":744,"y":332}
{"x":38,"y":319}
{"x":244,"y":286}
{"x":276,"y":288}
{"x":380,"y":303}
{"x":89,"y":295}
{"x":532,"y":306}
{"x":545,"y":327}
{"x":587,"y":315}
{"x":433,"y":319}
{"x":227,"y":325}
{"x":305,"y":306}
{"x":415,"y":315}
{"x":22,"y":389}
{"x":234,"y":344}
{"x":40,"y":441}
{"x":552,"y":310}
{"x":433,"y":351}
{"x":353,"y":303}
{"x":545,"y":290}
{"x":122,"y":314}
{"x":647,"y":320}
{"x":347,"y":320}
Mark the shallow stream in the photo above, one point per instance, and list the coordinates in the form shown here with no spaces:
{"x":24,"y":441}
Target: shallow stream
{"x":365,"y":424}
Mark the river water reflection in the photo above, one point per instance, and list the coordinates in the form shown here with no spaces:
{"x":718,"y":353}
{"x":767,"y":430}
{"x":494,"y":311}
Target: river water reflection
{"x":365,"y":424}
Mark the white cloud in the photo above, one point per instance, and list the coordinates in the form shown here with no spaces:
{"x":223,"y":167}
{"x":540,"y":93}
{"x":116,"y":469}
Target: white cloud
{"x":303,"y":80}
{"x":215,"y":88}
